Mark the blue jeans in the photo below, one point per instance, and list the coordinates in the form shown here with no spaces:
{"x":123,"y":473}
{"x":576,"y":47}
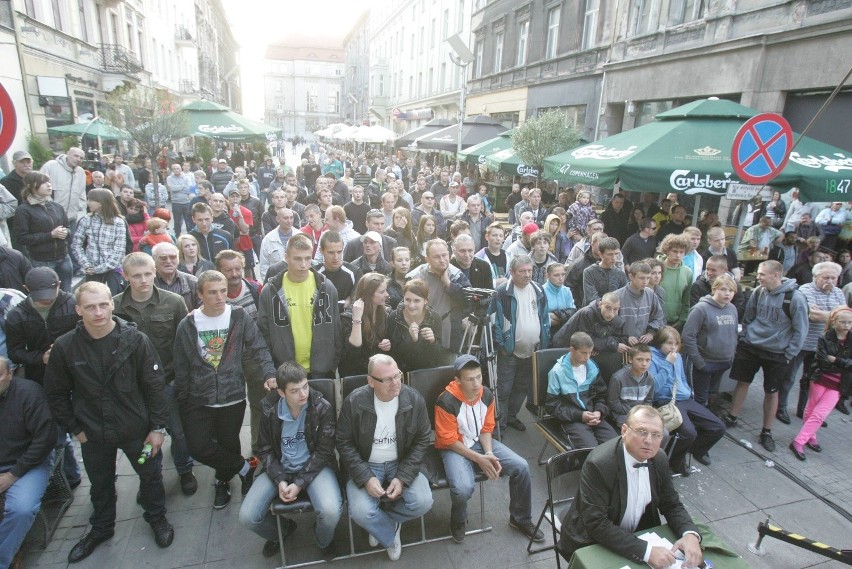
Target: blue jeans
{"x":380,"y":519}
{"x":460,"y":471}
{"x":324,"y":493}
{"x":23,"y":501}
{"x":180,"y":450}
{"x":514,"y":376}
{"x":70,"y":467}
{"x":704,"y":379}
{"x":64,"y":270}
{"x":181,"y":216}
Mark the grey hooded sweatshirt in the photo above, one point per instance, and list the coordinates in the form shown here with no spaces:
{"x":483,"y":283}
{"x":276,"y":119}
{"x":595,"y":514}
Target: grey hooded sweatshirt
{"x":766,"y":324}
{"x":710,"y":332}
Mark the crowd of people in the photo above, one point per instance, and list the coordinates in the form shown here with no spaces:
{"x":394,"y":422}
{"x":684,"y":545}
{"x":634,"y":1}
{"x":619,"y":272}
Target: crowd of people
{"x":228,"y":289}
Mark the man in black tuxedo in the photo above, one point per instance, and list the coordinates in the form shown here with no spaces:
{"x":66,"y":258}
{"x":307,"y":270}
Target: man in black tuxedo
{"x":625,"y":485}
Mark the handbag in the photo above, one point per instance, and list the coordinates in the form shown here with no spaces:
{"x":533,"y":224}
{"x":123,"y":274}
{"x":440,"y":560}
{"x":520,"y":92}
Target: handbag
{"x":672,"y":419}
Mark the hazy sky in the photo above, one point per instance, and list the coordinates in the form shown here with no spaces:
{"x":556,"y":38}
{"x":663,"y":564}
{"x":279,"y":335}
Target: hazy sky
{"x":257,"y":23}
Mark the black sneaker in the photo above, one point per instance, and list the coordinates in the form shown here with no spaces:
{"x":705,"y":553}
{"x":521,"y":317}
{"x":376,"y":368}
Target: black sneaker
{"x":457,"y":531}
{"x":528,"y":529}
{"x":86,"y":546}
{"x":783,"y":416}
{"x":730,"y":420}
{"x":329,"y":552}
{"x":767,"y":442}
{"x":188,"y":483}
{"x":516,"y":424}
{"x":270,"y":548}
{"x":841,"y":406}
{"x":164,"y":532}
{"x":223,"y":495}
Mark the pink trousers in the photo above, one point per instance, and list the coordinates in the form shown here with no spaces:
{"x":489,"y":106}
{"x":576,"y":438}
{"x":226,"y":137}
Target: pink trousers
{"x":821,"y":400}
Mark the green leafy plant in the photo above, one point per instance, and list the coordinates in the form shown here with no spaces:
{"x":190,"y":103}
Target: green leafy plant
{"x":38,"y":151}
{"x":205,"y":150}
{"x":545,"y":135}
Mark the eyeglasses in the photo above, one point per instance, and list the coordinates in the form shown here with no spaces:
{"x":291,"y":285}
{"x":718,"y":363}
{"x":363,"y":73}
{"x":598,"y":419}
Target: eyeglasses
{"x":428,"y":197}
{"x":643,"y":434}
{"x":395,"y":377}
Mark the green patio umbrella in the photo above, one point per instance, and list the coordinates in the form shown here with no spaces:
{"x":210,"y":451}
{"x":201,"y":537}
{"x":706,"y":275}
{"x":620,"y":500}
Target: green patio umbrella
{"x":97,"y":127}
{"x":206,"y":118}
{"x":476,"y":154}
{"x":507,"y":162}
{"x":688,"y":149}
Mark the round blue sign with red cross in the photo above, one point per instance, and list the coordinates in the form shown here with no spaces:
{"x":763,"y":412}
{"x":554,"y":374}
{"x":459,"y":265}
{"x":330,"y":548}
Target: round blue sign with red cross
{"x":8,"y":120}
{"x":761,"y":148}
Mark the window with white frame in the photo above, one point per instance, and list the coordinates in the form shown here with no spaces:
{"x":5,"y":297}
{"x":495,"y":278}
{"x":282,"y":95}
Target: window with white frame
{"x":478,"y":51}
{"x":523,"y":39}
{"x":590,"y":24}
{"x":498,"y":51}
{"x":552,"y":43}
{"x":643,"y":16}
{"x":682,"y":11}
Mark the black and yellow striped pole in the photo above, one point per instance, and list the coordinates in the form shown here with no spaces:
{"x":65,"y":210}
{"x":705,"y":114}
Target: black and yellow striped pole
{"x":768,"y":529}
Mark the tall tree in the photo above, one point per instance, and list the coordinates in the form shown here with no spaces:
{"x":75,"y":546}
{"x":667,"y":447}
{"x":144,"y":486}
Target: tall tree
{"x":152,"y":119}
{"x":545,"y":135}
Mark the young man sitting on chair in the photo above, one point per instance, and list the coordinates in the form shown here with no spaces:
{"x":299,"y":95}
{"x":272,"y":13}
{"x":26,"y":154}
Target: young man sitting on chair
{"x":296,"y":445}
{"x":464,"y":421}
{"x":576,"y":395}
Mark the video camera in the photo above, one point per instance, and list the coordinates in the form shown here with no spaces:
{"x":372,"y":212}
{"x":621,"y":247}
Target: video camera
{"x":477,"y":300}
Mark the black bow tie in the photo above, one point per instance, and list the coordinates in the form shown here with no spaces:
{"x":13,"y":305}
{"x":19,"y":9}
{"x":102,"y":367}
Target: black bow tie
{"x":641,"y":465}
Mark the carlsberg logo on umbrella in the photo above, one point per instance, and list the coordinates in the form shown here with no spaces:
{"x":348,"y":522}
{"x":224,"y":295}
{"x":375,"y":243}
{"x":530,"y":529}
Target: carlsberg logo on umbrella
{"x":685,"y":181}
{"x":230,"y":129}
{"x":524,"y":170}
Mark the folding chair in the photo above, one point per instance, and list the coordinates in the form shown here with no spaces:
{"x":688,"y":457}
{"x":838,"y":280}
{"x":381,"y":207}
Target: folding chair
{"x":430,"y":383}
{"x":302,"y":504}
{"x":350,"y":384}
{"x":557,"y":466}
{"x":542,"y":362}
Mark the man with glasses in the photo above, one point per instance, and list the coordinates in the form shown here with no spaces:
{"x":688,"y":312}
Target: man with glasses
{"x":427,"y":207}
{"x":170,"y":279}
{"x":624,"y":487}
{"x":641,"y":244}
{"x":383,"y":432}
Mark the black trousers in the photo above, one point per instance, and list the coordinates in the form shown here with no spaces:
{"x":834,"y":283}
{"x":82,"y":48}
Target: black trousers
{"x":99,"y":460}
{"x":701,"y":429}
{"x":213,"y":436}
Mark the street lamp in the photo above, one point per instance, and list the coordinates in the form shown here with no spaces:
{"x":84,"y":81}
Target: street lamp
{"x":462,"y":57}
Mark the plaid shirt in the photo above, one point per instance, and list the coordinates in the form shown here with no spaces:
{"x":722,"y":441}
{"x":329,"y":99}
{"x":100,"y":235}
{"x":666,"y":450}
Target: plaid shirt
{"x":98,"y":245}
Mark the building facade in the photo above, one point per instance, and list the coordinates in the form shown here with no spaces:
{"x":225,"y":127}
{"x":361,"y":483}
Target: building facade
{"x":613,"y":66}
{"x":303,"y":85}
{"x":71,"y":55}
{"x":409,"y":61}
{"x":356,"y":76}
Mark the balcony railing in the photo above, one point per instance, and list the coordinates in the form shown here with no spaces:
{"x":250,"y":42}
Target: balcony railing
{"x":116,"y":58}
{"x":187,"y":86}
{"x":182,"y":34}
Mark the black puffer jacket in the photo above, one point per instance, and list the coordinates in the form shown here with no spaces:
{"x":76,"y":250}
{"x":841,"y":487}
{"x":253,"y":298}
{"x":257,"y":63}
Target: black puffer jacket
{"x":319,"y":435}
{"x":829,"y":345}
{"x":411,"y":355}
{"x":29,"y":336}
{"x":125,"y":404}
{"x":33,"y":224}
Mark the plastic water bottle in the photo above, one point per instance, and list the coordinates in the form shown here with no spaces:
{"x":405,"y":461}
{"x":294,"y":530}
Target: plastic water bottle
{"x":745,"y":443}
{"x":146,"y":453}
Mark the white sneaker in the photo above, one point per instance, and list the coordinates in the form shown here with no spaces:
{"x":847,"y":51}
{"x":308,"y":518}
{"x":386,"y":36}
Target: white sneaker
{"x":395,"y":549}
{"x":373,"y":541}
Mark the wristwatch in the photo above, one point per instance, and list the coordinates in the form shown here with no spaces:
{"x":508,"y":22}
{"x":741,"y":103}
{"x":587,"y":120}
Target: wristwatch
{"x":161,"y":430}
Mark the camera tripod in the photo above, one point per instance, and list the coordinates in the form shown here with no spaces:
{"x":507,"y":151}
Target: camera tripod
{"x":481,"y":326}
